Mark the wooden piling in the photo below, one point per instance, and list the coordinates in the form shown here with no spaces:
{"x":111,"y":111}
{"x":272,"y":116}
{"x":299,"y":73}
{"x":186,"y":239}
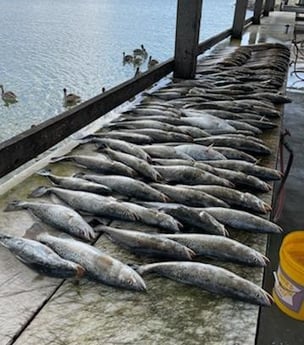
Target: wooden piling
{"x":187,"y":37}
{"x":257,"y":11}
{"x":239,"y":18}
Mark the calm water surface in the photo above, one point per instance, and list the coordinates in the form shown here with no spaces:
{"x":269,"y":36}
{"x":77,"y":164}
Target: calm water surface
{"x":51,"y":44}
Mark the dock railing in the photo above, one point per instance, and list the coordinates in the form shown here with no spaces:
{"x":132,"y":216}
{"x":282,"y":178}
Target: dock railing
{"x":29,"y":144}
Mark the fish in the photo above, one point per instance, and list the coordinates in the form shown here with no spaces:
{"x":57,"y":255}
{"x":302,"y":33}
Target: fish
{"x":89,"y":202}
{"x":134,"y":138}
{"x":235,"y":198}
{"x":195,"y":220}
{"x":231,"y":153}
{"x":99,"y":164}
{"x":259,"y":171}
{"x":147,"y":244}
{"x":75,"y":183}
{"x":210,"y":278}
{"x":237,"y":178}
{"x":139,"y":165}
{"x":207,"y":122}
{"x":163,"y":151}
{"x":127,"y":186}
{"x":189,"y":175}
{"x":41,"y":258}
{"x":244,"y":144}
{"x":119,"y":145}
{"x":58,"y":216}
{"x":199,"y":152}
{"x":189,"y":197}
{"x":243,"y":220}
{"x":98,"y":265}
{"x":160,"y":136}
{"x":221,"y":248}
{"x":154,"y":217}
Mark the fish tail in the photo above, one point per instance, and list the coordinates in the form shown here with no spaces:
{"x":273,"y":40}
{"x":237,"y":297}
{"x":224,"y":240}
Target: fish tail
{"x":13,"y":206}
{"x":35,"y":231}
{"x":40,"y":191}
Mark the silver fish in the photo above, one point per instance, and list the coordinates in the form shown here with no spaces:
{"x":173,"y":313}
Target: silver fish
{"x":128,"y":136}
{"x":248,"y":168}
{"x":199,"y":152}
{"x":189,"y":197}
{"x":119,"y":145}
{"x":244,"y":143}
{"x":100,"y":164}
{"x":41,"y":258}
{"x":243,"y":220}
{"x":59,"y":216}
{"x":89,"y":202}
{"x":163,"y":151}
{"x":235,"y":198}
{"x":189,"y":175}
{"x":127,"y":186}
{"x":211,"y":278}
{"x":154,"y":217}
{"x":139,"y":165}
{"x":98,"y":265}
{"x":75,"y":183}
{"x":147,"y":244}
{"x":220,"y":247}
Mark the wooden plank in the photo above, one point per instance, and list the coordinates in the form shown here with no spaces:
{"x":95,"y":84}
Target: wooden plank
{"x":257,"y":11}
{"x":239,"y":18}
{"x":27,"y":145}
{"x":187,"y":36}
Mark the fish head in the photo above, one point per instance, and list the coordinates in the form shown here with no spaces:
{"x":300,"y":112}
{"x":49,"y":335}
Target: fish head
{"x":130,"y":279}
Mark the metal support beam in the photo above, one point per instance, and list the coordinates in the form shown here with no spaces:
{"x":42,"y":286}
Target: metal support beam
{"x":257,"y":11}
{"x":187,"y":37}
{"x":239,"y":18}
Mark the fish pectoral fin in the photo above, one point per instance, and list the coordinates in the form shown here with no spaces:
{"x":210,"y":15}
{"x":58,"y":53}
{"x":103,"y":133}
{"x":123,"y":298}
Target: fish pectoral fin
{"x":210,"y":147}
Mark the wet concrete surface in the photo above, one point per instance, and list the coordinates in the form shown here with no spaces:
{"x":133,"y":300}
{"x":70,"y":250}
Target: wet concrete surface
{"x":275,"y":327}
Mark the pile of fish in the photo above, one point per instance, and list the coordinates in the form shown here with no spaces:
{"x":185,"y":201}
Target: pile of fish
{"x":185,"y":162}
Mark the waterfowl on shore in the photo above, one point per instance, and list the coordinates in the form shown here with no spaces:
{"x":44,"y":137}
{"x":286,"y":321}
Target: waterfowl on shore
{"x":152,"y":62}
{"x":127,"y":58}
{"x":71,"y":98}
{"x":8,"y":96}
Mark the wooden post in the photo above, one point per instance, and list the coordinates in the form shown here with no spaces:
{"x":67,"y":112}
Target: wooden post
{"x":239,"y":18}
{"x":187,"y":37}
{"x":267,"y":7}
{"x":257,"y":11}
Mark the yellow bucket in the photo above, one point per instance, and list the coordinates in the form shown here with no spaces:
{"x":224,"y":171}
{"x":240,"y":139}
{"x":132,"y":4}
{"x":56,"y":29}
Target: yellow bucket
{"x":288,"y":291}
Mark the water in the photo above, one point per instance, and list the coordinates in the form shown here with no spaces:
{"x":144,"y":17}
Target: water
{"x":51,"y":44}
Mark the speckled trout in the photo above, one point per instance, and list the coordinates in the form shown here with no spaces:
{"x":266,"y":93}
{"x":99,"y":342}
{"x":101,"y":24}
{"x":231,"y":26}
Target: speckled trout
{"x":41,"y":258}
{"x":211,"y":278}
{"x":98,"y":265}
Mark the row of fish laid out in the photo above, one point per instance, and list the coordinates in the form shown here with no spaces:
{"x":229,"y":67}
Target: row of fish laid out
{"x":184,"y":161}
{"x":65,"y":257}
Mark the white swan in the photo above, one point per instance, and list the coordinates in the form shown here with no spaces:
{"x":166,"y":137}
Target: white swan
{"x":71,"y":98}
{"x":152,"y":62}
{"x":8,"y":96}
